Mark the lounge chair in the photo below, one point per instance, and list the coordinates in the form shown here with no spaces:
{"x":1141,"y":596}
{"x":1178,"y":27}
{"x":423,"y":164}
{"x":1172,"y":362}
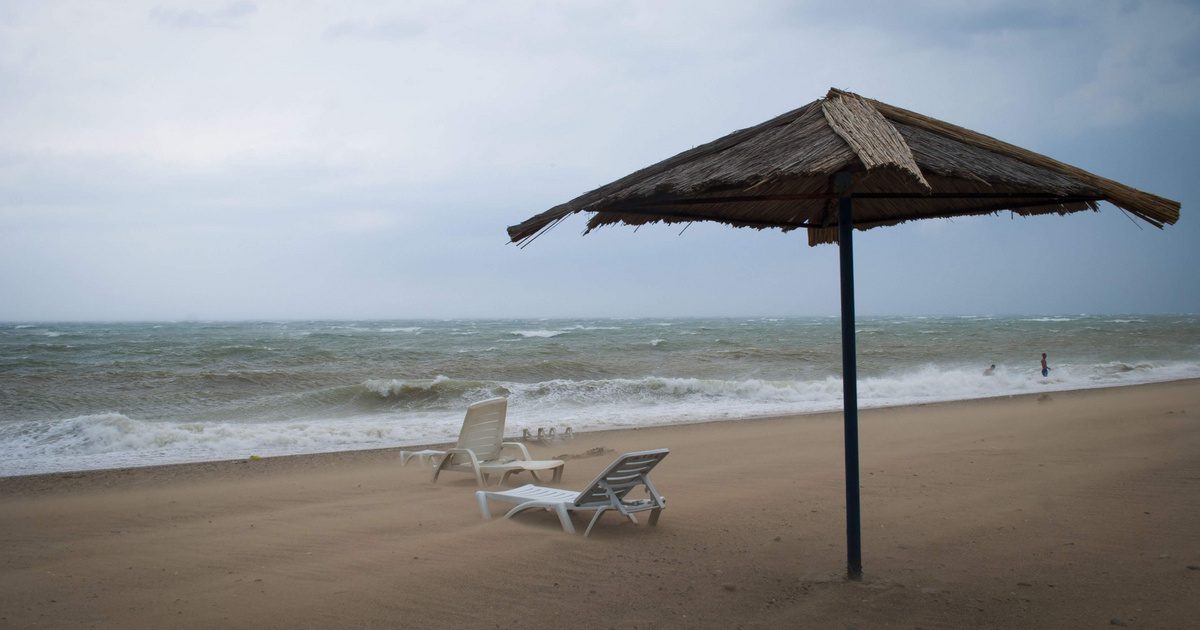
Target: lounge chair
{"x":480,"y":443}
{"x":426,"y":457}
{"x":607,"y":491}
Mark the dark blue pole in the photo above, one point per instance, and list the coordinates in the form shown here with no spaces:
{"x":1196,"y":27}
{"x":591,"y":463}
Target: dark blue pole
{"x":849,"y":377}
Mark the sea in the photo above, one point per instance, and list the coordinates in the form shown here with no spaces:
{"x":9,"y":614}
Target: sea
{"x":79,"y":396}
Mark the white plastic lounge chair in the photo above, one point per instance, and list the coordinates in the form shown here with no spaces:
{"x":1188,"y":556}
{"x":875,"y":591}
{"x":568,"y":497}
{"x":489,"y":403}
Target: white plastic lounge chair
{"x":480,"y":443}
{"x":426,"y":457}
{"x":607,"y":491}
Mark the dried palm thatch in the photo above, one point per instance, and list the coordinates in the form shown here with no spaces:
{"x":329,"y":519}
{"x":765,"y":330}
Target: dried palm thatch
{"x":905,"y":166}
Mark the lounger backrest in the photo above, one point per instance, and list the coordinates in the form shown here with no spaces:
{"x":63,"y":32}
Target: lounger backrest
{"x":483,"y":428}
{"x":621,"y":476}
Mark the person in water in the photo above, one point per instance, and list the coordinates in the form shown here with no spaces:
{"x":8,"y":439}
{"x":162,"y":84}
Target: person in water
{"x":1045,"y":368}
{"x":990,"y":371}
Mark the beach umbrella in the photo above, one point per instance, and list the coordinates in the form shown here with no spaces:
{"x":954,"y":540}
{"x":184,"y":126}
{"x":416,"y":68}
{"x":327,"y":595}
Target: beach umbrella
{"x":842,"y":163}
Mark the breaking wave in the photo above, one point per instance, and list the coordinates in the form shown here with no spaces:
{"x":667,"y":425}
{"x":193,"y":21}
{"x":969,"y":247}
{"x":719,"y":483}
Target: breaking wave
{"x":118,"y":394}
{"x":390,"y":412}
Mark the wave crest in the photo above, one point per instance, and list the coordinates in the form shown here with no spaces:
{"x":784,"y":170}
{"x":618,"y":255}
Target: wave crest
{"x":538,"y":334}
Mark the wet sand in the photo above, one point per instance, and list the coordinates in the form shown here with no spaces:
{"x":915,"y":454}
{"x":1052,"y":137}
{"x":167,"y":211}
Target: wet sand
{"x":1069,"y":509}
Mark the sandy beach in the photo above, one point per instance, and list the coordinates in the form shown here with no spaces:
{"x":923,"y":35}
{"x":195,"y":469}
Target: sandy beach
{"x":1064,"y":510}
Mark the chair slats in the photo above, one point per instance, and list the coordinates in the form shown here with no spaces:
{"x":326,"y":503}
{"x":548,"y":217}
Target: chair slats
{"x":483,"y":428}
{"x":626,"y":473}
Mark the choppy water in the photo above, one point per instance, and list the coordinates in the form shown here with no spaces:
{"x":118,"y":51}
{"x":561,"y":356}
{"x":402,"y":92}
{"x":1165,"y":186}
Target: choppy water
{"x":80,"y":396}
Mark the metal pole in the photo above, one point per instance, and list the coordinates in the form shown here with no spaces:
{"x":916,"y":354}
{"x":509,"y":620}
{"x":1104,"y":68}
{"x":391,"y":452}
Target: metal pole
{"x":849,"y":377}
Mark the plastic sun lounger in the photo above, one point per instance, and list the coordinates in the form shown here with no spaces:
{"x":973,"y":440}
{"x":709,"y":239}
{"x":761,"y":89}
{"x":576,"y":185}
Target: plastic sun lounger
{"x":426,"y":457}
{"x":480,"y":443}
{"x":607,"y":491}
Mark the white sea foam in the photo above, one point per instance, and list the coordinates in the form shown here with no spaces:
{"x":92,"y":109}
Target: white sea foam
{"x":391,"y":387}
{"x":1049,"y":319}
{"x":407,"y":329}
{"x":112,"y":439}
{"x":653,"y":400}
{"x":538,"y":333}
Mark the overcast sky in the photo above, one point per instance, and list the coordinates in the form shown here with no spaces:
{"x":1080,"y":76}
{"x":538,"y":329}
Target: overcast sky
{"x":290,"y":160}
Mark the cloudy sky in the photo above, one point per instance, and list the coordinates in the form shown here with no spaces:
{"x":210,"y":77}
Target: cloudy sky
{"x":244,"y":160}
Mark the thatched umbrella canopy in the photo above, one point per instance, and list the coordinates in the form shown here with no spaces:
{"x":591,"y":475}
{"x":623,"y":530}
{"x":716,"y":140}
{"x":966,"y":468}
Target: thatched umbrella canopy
{"x":906,"y":166}
{"x":845,"y":162}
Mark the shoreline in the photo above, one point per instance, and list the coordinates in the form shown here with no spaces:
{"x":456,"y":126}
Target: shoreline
{"x":97,"y":397}
{"x":218,"y":466}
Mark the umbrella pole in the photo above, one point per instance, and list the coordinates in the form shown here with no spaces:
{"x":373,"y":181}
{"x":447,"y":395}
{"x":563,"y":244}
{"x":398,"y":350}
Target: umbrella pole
{"x":849,"y":377}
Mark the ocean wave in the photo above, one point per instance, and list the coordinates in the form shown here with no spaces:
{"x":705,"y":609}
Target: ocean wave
{"x":930,"y":383}
{"x":440,"y":391}
{"x":180,"y":388}
{"x":538,"y":333}
{"x":274,"y":379}
{"x":236,"y":350}
{"x":780,"y":354}
{"x":53,"y":347}
{"x":1118,"y":367}
{"x":112,"y":440}
{"x":392,"y":412}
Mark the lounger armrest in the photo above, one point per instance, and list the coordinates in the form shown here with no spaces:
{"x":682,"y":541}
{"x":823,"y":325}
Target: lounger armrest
{"x":450,"y":453}
{"x":518,"y":445}
{"x":462,"y":451}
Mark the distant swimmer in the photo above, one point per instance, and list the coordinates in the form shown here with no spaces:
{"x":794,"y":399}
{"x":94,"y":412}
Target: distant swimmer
{"x":990,"y":371}
{"x":1045,"y":368}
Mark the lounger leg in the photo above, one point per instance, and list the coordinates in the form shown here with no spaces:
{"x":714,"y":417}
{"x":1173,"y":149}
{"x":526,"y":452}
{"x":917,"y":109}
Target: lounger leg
{"x":507,"y":474}
{"x":437,"y":470}
{"x":593,"y":523}
{"x":480,"y":478}
{"x":558,"y":474}
{"x":654,"y":517}
{"x":565,"y":517}
{"x":481,"y":497}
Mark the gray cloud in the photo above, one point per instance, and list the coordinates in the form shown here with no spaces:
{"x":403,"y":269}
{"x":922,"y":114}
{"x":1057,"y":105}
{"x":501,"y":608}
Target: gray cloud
{"x":221,"y":17}
{"x":277,"y":169}
{"x":389,"y":30}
